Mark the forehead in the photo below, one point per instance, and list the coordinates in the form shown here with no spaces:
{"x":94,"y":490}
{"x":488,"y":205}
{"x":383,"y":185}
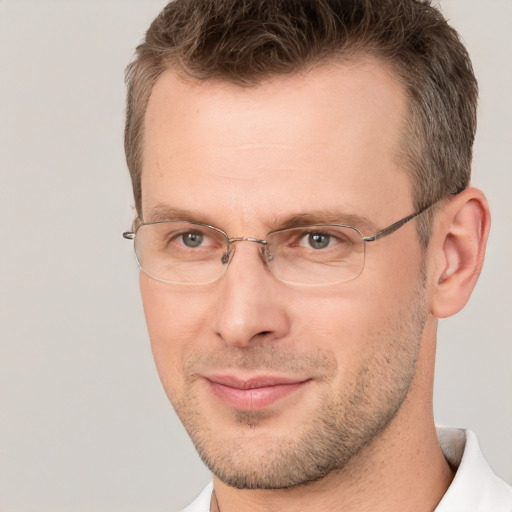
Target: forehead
{"x":325,"y":137}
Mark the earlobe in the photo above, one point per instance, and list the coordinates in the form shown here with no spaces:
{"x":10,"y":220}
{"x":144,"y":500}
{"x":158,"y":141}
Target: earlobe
{"x":460,"y":239}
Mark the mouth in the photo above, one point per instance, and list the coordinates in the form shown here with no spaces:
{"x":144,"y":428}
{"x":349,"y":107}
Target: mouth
{"x":253,"y":394}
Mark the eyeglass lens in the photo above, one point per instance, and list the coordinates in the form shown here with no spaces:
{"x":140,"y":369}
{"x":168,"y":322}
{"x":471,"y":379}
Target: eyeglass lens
{"x":182,"y":252}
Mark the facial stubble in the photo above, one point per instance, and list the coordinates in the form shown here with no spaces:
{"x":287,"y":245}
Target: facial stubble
{"x":343,"y":423}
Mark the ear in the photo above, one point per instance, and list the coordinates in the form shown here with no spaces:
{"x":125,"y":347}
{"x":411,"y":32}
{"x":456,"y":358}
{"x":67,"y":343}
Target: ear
{"x":458,"y":248}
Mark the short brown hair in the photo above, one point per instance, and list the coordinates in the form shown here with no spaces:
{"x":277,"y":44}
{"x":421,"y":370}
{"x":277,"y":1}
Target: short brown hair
{"x":248,"y":41}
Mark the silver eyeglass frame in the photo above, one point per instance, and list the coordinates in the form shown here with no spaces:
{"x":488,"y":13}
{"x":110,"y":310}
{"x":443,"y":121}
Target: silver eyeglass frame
{"x":267,"y":256}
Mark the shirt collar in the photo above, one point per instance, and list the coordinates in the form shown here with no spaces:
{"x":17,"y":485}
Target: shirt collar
{"x":475,"y":487}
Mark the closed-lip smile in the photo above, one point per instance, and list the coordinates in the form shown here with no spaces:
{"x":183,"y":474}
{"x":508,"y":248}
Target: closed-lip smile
{"x":253,"y":393}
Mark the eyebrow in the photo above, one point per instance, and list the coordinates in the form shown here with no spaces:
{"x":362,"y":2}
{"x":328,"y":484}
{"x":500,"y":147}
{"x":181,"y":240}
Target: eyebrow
{"x":319,"y":217}
{"x":163,"y":212}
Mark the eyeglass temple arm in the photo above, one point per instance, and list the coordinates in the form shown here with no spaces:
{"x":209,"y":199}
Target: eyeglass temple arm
{"x":400,"y":223}
{"x":393,"y":227}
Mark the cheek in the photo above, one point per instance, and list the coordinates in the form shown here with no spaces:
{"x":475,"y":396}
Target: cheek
{"x":339,"y":325}
{"x":176,"y":320}
{"x":351,"y":322}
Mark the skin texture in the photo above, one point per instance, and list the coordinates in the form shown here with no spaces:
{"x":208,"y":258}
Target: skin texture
{"x":355,"y":429}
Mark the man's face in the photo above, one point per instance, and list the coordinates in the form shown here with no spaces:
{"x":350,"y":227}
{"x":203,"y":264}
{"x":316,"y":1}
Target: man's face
{"x":280,"y":384}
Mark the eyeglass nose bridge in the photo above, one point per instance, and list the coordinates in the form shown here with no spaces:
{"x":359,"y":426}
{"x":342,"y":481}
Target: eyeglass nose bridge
{"x":265,"y":252}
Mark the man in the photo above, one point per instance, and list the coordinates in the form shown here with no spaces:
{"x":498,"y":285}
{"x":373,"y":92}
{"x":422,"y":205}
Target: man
{"x":304,"y":218}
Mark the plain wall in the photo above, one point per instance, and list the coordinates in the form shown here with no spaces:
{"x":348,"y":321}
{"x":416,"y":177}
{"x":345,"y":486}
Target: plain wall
{"x":84,"y":423}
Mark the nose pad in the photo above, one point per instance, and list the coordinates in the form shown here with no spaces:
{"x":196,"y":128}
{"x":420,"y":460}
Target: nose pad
{"x":226,"y":257}
{"x":266,"y":255}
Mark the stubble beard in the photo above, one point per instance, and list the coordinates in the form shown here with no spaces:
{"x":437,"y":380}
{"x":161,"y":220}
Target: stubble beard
{"x":344,"y":423}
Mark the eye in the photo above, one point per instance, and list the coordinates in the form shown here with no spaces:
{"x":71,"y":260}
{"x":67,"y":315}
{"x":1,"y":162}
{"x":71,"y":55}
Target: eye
{"x":317,"y":240}
{"x":183,"y":238}
{"x":329,"y":238}
{"x":192,"y":239}
{"x":196,"y":239}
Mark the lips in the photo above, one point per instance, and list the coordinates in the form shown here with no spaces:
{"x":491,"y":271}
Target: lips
{"x":253,"y":394}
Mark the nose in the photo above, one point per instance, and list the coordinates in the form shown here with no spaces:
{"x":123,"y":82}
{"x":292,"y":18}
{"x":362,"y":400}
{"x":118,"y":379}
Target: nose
{"x":250,"y":307}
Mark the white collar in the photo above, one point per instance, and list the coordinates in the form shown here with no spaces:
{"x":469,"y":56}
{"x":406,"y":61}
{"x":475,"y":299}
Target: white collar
{"x":475,"y":488}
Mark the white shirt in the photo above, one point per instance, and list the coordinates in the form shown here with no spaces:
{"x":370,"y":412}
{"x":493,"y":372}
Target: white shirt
{"x":475,"y":488}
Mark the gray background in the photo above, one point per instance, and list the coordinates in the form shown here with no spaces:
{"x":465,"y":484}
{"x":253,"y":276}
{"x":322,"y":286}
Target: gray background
{"x":84,"y":424}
